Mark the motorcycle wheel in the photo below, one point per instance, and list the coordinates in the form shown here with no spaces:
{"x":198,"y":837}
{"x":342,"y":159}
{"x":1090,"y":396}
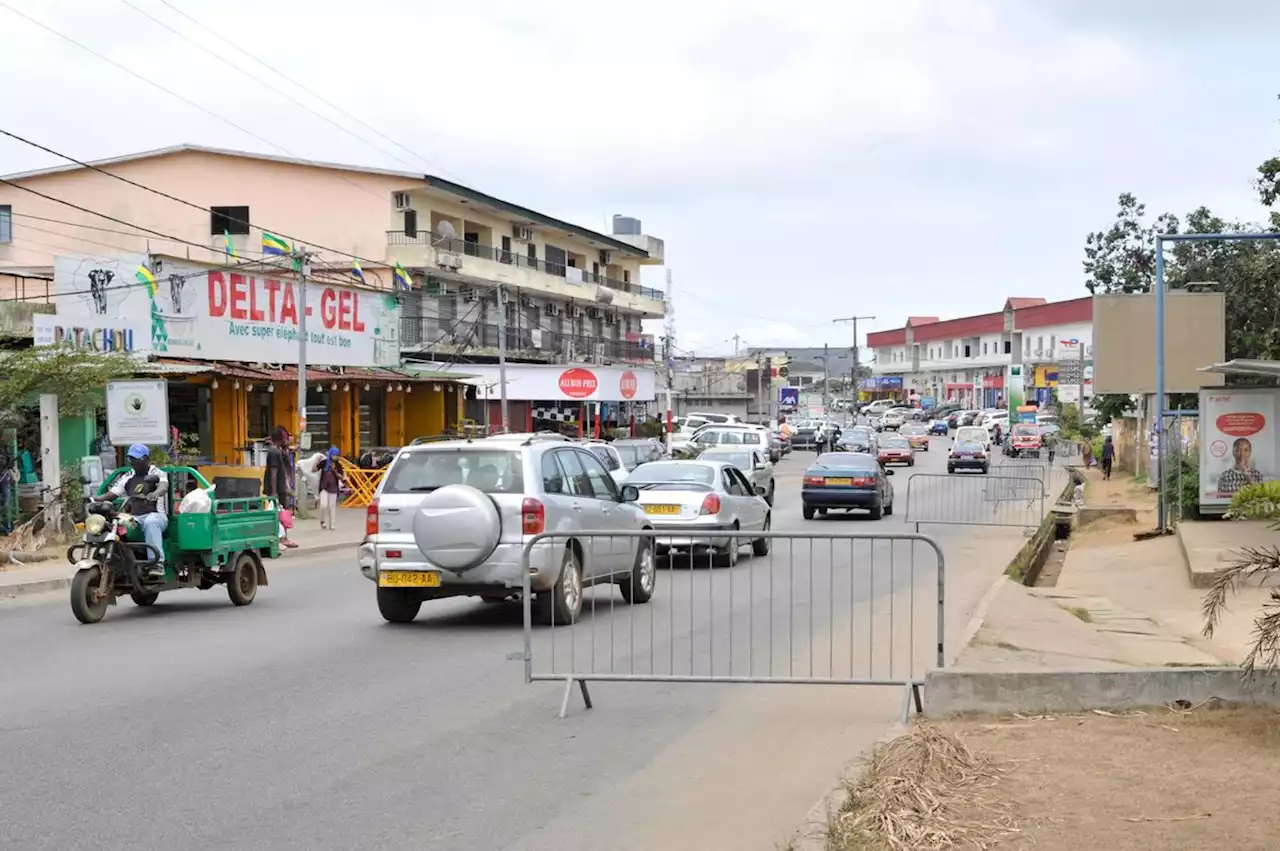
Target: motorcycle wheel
{"x":83,"y":604}
{"x":143,"y":598}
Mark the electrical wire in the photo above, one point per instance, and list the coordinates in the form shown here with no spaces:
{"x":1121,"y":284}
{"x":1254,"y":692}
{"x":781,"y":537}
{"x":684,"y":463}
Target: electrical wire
{"x":303,"y":88}
{"x":173,"y":94}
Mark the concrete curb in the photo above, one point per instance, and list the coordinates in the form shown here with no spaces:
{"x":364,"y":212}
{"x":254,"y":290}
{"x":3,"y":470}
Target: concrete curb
{"x":948,"y":692}
{"x":812,"y":834}
{"x":42,"y":586}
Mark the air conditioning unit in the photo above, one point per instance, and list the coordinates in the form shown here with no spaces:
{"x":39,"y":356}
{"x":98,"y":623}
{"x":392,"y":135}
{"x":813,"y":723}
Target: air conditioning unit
{"x":576,"y":312}
{"x":522,"y":233}
{"x":448,"y":261}
{"x":551,"y":309}
{"x":468,"y":294}
{"x":592,"y":313}
{"x":527,"y":301}
{"x":606,"y":257}
{"x":401,"y":200}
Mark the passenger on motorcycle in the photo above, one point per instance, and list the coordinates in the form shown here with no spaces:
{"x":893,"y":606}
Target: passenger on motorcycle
{"x":154,"y":520}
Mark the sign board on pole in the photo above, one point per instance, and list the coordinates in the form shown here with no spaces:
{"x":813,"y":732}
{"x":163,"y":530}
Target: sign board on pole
{"x":138,"y":412}
{"x":789,"y":397}
{"x":1239,"y":443}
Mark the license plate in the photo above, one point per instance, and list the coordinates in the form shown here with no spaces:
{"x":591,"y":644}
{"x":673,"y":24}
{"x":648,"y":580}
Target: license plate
{"x":845,"y":482}
{"x":408,"y":579}
{"x":662,"y":509}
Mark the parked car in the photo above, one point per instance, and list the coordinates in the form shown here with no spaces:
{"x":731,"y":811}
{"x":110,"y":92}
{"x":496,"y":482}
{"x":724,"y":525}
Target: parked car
{"x":754,"y":465}
{"x":917,"y":436}
{"x":610,"y":457}
{"x":453,"y":518}
{"x":896,"y":450}
{"x":968,"y":455}
{"x":702,"y":496}
{"x":639,"y":451}
{"x":878,"y":407}
{"x":967,"y":418}
{"x":750,"y":437}
{"x":892,"y":420}
{"x":846,"y":481}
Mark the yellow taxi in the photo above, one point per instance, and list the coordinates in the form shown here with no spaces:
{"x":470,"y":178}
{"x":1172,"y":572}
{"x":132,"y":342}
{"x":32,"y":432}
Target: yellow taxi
{"x":917,"y":434}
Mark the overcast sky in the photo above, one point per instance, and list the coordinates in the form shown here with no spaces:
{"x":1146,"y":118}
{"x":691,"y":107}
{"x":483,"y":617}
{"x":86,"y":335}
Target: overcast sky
{"x":835,"y":158}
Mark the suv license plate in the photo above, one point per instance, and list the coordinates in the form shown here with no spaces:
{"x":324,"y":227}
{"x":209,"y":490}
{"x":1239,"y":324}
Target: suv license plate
{"x":408,"y":579}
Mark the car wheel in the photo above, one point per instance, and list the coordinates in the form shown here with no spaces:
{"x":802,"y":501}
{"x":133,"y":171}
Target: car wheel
{"x":950,"y":469}
{"x":638,"y":587}
{"x":728,"y":556}
{"x":911,"y":463}
{"x":760,"y":546}
{"x":888,"y":509}
{"x":769,"y":496}
{"x":808,"y":512}
{"x":398,"y":605}
{"x":876,"y":512}
{"x":561,"y":605}
{"x":986,"y":470}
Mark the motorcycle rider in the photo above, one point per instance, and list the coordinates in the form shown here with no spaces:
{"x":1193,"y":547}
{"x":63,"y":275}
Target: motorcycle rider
{"x":155,"y":521}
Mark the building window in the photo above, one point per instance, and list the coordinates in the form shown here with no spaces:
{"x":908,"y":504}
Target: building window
{"x":533,"y":256}
{"x":506,"y":250}
{"x":626,"y":276}
{"x":1040,"y":345}
{"x":1053,"y":343}
{"x":233,"y":220}
{"x":1028,"y":347}
{"x":984,"y":348}
{"x":6,"y":224}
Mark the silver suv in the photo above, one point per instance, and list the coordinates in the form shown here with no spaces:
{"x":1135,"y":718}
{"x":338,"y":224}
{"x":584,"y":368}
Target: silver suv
{"x":451,"y":519}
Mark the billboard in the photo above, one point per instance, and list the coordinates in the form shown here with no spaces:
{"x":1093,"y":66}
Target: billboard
{"x":1238,"y":441}
{"x":1124,"y":347}
{"x":228,"y":313}
{"x":789,"y":397}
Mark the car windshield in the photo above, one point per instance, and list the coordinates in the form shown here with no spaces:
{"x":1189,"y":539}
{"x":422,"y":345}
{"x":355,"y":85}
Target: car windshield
{"x":895,"y":443}
{"x":662,"y":473}
{"x":969,"y":447}
{"x":1026,"y":430}
{"x":860,"y":434}
{"x":970,"y":433}
{"x":741,"y":460}
{"x":632,"y":453}
{"x":845,"y":461}
{"x":488,"y":470}
{"x":913,"y":429}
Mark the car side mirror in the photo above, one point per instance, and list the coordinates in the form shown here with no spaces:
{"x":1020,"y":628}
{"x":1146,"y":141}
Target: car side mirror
{"x":888,"y":472}
{"x":630,"y":493}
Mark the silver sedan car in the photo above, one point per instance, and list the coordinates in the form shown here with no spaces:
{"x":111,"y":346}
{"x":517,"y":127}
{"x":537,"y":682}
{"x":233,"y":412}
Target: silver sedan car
{"x":703,"y":495}
{"x":753,"y":464}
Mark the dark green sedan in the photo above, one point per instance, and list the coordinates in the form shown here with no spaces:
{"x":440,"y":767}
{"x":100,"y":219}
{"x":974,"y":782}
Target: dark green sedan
{"x":846,"y":481}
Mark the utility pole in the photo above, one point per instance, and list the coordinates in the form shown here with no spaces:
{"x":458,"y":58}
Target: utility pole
{"x":1080,"y":382}
{"x":301,"y":258}
{"x":735,"y":346}
{"x":826,"y":380}
{"x":669,"y":342}
{"x":853,"y":370}
{"x":502,"y":360}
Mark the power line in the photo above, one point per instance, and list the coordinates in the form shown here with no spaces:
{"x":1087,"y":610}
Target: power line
{"x":309,"y":91}
{"x":259,"y":80}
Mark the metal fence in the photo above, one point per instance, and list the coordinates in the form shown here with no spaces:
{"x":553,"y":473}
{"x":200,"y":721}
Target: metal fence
{"x":1009,"y":495}
{"x":804,"y":608}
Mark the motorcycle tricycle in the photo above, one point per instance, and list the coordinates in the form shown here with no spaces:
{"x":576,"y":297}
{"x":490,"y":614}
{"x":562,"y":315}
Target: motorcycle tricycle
{"x":223,"y":546}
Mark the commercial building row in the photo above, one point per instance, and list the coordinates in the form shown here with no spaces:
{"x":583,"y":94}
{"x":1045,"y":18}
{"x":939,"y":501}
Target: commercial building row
{"x":965,"y":359}
{"x":386,"y":363}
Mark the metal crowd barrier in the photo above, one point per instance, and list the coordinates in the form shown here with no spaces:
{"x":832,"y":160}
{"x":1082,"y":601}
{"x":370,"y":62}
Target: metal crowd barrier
{"x":1012,"y":495}
{"x":817,"y":608}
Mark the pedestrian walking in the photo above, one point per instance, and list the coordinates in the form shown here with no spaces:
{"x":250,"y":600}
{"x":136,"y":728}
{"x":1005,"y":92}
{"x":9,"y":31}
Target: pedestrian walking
{"x":277,"y":481}
{"x":330,"y":486}
{"x":1108,"y":456}
{"x":1086,"y":453}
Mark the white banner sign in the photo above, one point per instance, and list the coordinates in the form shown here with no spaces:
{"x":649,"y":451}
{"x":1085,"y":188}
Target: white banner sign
{"x":228,"y":314}
{"x":554,"y":382}
{"x":1238,"y":441}
{"x":138,"y":412}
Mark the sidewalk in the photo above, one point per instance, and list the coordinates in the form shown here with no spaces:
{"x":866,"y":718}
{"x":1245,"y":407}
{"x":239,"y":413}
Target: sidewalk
{"x":1118,"y":603}
{"x":55,"y":573}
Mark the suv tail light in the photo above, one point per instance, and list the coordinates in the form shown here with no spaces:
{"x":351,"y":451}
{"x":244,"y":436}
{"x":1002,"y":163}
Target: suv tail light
{"x":371,"y":519}
{"x":710,"y":504}
{"x":533,"y":516}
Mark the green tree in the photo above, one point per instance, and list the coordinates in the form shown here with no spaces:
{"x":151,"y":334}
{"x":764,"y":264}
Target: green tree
{"x":1121,"y":259}
{"x":77,"y":377}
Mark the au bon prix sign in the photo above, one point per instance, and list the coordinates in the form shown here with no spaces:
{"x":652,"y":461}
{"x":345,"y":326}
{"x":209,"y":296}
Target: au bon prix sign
{"x":228,"y":313}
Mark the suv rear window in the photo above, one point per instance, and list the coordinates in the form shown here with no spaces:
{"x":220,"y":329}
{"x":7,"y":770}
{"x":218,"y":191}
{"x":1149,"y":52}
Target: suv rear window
{"x":488,"y":470}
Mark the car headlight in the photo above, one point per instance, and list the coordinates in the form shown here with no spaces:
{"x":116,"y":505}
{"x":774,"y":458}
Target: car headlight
{"x":94,"y":524}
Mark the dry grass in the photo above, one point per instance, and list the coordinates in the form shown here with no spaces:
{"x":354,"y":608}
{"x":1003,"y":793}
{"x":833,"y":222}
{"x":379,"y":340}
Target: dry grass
{"x":1163,"y":779}
{"x":925,"y":790}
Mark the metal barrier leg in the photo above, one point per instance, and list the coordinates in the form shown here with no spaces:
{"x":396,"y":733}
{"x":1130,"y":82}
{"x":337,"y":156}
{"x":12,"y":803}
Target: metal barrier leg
{"x":568,"y":692}
{"x":911,"y":697}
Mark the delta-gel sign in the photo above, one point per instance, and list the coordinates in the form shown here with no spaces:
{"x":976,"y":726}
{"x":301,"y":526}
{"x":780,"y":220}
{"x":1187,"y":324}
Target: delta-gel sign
{"x":228,"y":314}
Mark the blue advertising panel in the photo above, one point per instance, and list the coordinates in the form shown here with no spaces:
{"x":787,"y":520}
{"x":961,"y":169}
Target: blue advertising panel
{"x":789,"y":397}
{"x":928,"y":402}
{"x":889,"y":382}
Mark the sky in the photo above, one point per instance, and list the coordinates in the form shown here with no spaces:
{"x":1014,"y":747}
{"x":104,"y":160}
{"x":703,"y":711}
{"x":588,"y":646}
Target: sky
{"x":878,"y":159}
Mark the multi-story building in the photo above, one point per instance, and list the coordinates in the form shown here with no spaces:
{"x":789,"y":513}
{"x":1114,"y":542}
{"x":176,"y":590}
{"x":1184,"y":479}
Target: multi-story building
{"x":964,"y":359}
{"x":570,"y":295}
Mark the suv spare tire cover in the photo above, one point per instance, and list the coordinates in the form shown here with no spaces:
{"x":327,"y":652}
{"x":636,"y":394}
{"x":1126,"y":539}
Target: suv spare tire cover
{"x":457,"y":527}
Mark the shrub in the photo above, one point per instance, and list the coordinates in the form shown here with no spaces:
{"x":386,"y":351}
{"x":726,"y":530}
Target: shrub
{"x":1256,"y":502}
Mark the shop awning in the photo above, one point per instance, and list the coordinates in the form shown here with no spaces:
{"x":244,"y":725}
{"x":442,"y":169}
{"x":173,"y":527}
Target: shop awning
{"x":254,"y":372}
{"x":1245,"y":366}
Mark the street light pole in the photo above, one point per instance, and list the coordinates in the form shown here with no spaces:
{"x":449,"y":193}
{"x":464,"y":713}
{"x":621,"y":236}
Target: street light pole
{"x":853,"y":370}
{"x":301,"y":258}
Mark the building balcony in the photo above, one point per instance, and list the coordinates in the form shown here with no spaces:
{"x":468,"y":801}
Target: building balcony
{"x":452,"y":336}
{"x":487,"y":263}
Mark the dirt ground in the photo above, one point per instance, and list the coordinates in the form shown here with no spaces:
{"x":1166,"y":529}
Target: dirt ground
{"x":1155,"y":780}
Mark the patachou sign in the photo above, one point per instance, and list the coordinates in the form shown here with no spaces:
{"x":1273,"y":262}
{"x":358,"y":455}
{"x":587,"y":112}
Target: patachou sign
{"x":224,"y":313}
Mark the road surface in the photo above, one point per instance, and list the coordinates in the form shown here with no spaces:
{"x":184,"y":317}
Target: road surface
{"x":306,"y":722}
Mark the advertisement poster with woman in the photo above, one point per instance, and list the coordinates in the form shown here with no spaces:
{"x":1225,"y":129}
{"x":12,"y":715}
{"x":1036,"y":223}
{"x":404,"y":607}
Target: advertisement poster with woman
{"x":1237,"y":442}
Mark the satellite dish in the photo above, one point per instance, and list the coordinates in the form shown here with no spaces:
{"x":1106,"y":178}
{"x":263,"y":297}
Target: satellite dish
{"x":445,"y":231}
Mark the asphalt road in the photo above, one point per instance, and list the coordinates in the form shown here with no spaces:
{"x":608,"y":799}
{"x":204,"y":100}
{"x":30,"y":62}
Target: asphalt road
{"x":306,"y":722}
